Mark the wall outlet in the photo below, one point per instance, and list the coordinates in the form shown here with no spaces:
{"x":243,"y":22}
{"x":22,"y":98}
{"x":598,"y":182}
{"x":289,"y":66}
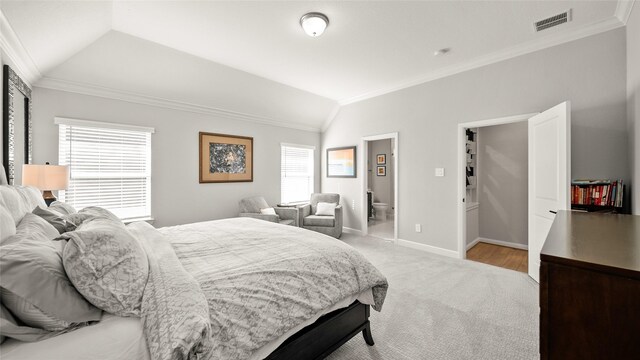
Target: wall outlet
{"x":439,"y":171}
{"x":353,"y":205}
{"x":418,"y":228}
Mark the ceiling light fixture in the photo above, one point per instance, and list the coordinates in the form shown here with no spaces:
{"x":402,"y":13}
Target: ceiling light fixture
{"x":314,"y":23}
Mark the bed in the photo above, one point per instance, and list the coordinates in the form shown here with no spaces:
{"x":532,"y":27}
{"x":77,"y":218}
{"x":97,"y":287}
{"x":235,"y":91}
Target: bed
{"x":231,"y":289}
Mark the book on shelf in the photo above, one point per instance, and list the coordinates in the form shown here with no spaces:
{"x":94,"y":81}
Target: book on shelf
{"x":605,"y":193}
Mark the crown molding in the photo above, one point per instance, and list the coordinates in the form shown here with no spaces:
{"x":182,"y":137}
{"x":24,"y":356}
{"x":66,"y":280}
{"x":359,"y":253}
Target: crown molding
{"x":109,"y":93}
{"x":623,"y":10}
{"x":15,"y":51}
{"x":505,"y":54}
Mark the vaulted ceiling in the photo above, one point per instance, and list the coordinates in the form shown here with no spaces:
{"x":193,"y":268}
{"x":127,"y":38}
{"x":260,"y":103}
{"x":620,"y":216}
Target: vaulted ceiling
{"x":253,"y":58}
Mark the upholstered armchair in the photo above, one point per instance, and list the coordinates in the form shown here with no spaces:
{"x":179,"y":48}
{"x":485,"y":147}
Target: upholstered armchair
{"x":250,"y":207}
{"x":329,"y":225}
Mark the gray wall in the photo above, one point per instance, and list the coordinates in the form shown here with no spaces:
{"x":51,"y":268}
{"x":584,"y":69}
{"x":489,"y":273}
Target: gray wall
{"x":503,"y":182}
{"x":382,"y":186}
{"x":591,"y":72}
{"x":177,"y":197}
{"x":633,"y":103}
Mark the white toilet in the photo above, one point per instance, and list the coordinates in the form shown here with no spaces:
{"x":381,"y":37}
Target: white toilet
{"x":381,"y":210}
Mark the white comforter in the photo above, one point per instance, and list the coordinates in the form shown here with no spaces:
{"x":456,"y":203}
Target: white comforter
{"x":226,"y":289}
{"x":262,"y":279}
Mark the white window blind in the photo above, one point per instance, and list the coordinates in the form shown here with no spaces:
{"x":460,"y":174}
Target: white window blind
{"x":110,"y":166}
{"x":296,"y":175}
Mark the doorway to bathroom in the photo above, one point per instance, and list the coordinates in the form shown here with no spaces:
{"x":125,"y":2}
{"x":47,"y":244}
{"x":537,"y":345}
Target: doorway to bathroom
{"x":380,"y":192}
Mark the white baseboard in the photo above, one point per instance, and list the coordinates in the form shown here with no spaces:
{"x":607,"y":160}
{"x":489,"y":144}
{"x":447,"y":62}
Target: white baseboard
{"x":349,"y":230}
{"x":500,"y":243}
{"x":473,"y":243}
{"x":428,"y":248}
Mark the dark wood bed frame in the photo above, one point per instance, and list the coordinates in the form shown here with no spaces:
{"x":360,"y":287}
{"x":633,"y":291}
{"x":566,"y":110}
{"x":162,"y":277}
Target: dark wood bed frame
{"x":328,"y":333}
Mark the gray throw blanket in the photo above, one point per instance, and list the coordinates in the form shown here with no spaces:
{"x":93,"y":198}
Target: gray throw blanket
{"x":259,"y":279}
{"x":175,"y":315}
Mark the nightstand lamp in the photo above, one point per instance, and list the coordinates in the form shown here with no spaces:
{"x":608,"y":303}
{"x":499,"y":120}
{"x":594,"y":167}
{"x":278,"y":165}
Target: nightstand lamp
{"x":46,"y":178}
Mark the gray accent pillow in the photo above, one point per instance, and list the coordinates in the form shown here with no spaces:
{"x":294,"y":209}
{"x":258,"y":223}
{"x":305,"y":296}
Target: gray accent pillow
{"x":90,"y":213}
{"x":62,"y":208}
{"x":54,"y":218}
{"x":107,"y":265}
{"x":34,"y":285}
{"x":11,"y":328}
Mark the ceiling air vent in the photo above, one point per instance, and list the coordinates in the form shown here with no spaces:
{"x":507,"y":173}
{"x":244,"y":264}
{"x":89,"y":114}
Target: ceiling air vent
{"x":552,"y":21}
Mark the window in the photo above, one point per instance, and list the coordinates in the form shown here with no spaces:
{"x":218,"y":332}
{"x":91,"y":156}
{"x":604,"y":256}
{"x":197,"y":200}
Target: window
{"x":296,"y":174}
{"x":109,"y":165}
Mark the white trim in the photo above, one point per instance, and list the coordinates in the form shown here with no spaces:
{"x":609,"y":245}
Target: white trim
{"x":363,"y":182}
{"x":109,"y":93}
{"x":498,"y":121}
{"x":502,"y":243}
{"x":427,"y":248}
{"x":101,"y":124}
{"x":330,"y":118}
{"x":472,"y":206}
{"x":473,"y":243}
{"x":298,"y":146}
{"x":623,"y":10}
{"x":501,"y":55}
{"x":349,"y":230}
{"x":149,"y":220}
{"x":16,"y":52}
{"x":462,"y":162}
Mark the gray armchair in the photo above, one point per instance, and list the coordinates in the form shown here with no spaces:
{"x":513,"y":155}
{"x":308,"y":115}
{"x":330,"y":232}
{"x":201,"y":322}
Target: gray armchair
{"x":250,"y":207}
{"x":329,"y":225}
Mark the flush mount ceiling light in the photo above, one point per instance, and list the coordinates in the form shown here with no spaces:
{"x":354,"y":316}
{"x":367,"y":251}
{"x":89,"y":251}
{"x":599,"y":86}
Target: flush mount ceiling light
{"x":314,"y":23}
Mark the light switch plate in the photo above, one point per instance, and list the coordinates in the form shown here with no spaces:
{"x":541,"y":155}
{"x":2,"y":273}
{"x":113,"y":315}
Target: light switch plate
{"x":439,"y":171}
{"x":418,"y":228}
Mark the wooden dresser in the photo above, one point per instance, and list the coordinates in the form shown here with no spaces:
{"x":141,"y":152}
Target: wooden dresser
{"x":590,"y":287}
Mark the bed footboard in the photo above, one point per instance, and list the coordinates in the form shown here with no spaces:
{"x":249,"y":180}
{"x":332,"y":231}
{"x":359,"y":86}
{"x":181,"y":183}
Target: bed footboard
{"x":328,"y":333}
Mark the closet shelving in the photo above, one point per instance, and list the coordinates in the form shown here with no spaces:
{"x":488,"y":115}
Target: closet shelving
{"x":472,"y":165}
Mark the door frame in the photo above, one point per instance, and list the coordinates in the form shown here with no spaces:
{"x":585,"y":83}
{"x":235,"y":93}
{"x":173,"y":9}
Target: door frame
{"x":462,"y":163}
{"x":363,"y":183}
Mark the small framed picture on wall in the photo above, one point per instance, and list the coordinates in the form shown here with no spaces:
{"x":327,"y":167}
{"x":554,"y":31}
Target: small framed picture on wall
{"x":381,"y":171}
{"x":381,"y":159}
{"x":341,"y":162}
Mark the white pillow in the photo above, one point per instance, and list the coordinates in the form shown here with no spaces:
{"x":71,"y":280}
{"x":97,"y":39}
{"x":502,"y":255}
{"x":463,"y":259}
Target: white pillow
{"x":326,"y":209}
{"x":7,"y":226}
{"x":268,"y":211}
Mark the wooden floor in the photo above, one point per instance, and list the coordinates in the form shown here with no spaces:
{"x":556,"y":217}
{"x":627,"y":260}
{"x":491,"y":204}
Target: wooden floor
{"x":502,"y":256}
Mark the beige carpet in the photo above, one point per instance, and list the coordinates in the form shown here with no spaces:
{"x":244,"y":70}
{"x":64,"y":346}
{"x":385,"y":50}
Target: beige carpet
{"x":443,"y":308}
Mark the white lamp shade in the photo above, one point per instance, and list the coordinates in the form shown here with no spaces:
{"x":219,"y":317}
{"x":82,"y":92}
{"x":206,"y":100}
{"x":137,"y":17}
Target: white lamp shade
{"x":46,"y":177}
{"x":314,"y":24}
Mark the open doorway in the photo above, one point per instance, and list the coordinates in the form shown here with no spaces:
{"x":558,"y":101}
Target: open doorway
{"x":549,"y":174}
{"x":497,"y":195}
{"x":379,"y":187}
{"x":494,"y":192}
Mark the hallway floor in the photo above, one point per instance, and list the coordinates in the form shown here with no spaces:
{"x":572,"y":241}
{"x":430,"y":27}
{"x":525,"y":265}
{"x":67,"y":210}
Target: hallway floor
{"x":501,"y":256}
{"x":381,"y":229}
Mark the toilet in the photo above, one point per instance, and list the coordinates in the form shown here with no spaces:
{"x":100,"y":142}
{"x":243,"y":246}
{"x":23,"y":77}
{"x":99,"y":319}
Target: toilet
{"x":381,"y":210}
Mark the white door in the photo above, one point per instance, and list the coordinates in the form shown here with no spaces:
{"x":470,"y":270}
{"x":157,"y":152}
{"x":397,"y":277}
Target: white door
{"x":549,"y":175}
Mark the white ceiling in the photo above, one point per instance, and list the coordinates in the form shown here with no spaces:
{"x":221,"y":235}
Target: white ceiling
{"x":369,"y":47}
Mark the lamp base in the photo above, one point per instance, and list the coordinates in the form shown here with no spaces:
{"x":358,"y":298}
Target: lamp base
{"x":48,"y":197}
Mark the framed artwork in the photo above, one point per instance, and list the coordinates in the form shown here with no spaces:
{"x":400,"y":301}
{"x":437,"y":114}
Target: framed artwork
{"x":381,"y":159}
{"x":341,"y":162}
{"x":225,"y":158}
{"x":381,"y":171}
